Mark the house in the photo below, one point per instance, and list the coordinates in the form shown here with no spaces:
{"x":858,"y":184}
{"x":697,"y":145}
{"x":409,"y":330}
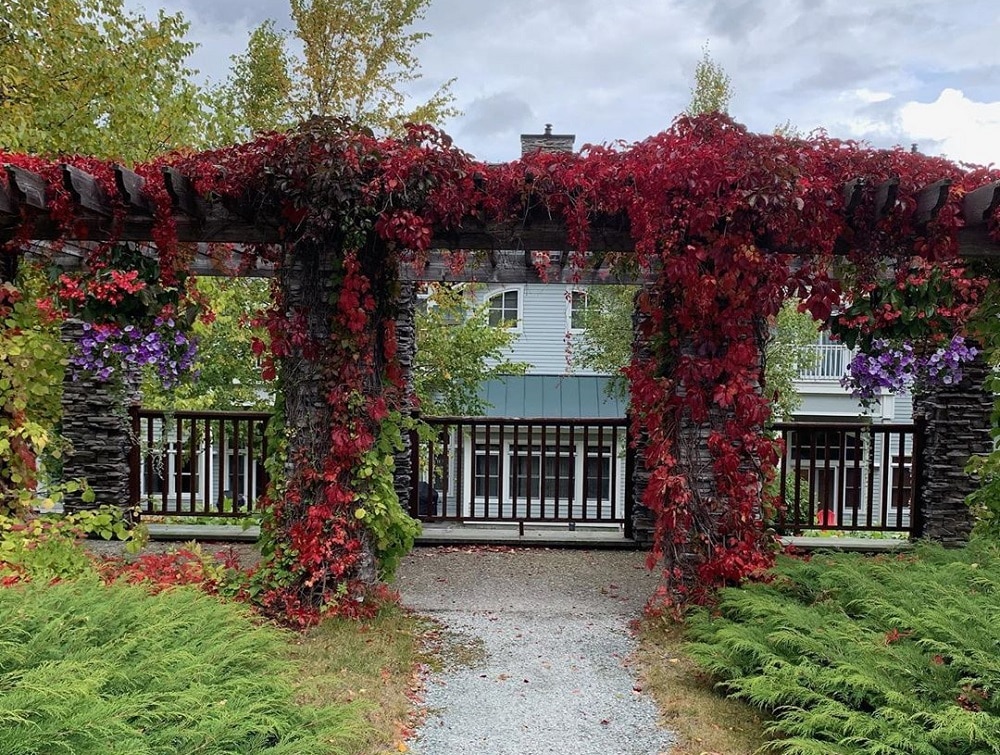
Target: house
{"x":851,"y":459}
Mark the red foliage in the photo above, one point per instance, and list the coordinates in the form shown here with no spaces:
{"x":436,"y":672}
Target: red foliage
{"x":711,"y":209}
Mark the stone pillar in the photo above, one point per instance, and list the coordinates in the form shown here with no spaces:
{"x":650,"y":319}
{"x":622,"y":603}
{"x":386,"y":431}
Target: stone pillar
{"x":957,"y":424}
{"x":97,"y":427}
{"x":406,"y":349}
{"x":643,"y":522}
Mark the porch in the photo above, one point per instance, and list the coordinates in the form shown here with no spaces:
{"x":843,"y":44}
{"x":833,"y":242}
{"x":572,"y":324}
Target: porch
{"x":552,"y":482}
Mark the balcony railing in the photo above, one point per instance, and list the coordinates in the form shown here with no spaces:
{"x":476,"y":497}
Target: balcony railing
{"x":195,"y":464}
{"x":849,"y":476}
{"x":481,"y":469}
{"x":824,"y":362}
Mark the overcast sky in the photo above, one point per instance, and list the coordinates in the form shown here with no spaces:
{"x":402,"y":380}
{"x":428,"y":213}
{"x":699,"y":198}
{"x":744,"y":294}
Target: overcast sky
{"x":885,"y":71}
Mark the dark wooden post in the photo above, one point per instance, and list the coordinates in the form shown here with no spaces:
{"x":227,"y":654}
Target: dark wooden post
{"x":631,"y":456}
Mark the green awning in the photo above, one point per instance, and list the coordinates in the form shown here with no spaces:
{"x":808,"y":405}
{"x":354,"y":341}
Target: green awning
{"x":551,"y":396}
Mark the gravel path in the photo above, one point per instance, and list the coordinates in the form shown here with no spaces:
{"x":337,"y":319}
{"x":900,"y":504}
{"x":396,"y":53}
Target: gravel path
{"x":541,"y":637}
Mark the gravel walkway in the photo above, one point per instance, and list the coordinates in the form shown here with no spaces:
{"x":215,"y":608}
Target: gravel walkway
{"x":540,"y":638}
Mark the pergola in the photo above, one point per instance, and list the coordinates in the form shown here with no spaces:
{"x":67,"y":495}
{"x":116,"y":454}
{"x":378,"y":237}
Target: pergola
{"x":535,"y":243}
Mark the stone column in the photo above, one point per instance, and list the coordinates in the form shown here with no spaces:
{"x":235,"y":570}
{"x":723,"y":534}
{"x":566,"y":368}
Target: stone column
{"x":957,"y":424}
{"x":643,"y":522}
{"x":96,"y":425}
{"x":406,"y":349}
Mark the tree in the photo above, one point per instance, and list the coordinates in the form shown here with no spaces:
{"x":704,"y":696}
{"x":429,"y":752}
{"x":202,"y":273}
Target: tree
{"x":712,"y":91}
{"x":357,"y":58}
{"x":260,"y":83}
{"x":606,"y":345}
{"x":457,"y":351}
{"x":228,"y":376}
{"x":786,"y":354}
{"x":90,"y":77}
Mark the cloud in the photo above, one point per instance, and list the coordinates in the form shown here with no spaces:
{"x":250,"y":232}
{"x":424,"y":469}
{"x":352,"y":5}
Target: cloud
{"x":964,"y":129}
{"x":870,"y":96}
{"x":496,"y":115}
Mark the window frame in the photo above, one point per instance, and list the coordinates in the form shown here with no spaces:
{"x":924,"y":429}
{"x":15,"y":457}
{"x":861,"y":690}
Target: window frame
{"x":570,"y":294}
{"x":516,"y":325}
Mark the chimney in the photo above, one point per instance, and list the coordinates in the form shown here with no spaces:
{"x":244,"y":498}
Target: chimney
{"x":547,"y":142}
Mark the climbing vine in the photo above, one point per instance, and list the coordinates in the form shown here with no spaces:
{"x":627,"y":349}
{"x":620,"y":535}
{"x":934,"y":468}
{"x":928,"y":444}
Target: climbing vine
{"x":727,"y":224}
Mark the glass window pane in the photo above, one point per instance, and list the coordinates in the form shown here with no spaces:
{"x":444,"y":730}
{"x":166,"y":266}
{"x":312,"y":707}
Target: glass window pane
{"x":598,"y":477}
{"x":578,"y":308}
{"x":486,"y":481}
{"x":503,"y":309}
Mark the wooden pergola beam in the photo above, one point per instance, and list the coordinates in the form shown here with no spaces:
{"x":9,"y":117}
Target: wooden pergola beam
{"x":28,"y":188}
{"x":201,"y":219}
{"x":86,"y":191}
{"x":931,"y":199}
{"x":978,"y":205}
{"x":132,"y":189}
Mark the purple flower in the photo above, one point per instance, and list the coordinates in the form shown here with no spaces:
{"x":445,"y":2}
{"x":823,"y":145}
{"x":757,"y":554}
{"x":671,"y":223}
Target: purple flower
{"x":127,"y":350}
{"x":896,"y":368}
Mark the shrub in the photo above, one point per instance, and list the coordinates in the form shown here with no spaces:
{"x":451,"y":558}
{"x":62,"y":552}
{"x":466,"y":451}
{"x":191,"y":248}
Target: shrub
{"x":88,"y":668}
{"x":856,"y":654}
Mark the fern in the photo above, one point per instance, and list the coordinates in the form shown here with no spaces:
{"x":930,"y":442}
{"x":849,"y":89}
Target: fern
{"x":86,"y":668}
{"x":886,"y":655}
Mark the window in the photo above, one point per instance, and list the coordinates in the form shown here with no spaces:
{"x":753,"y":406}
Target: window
{"x":486,"y":479}
{"x":534,"y":476}
{"x":578,"y":302}
{"x":597,"y":473}
{"x":505,"y":309}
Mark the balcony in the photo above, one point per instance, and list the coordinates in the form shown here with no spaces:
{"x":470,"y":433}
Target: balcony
{"x":824,"y":362}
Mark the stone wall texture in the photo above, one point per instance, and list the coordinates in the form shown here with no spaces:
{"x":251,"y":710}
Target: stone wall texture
{"x":957,"y":426}
{"x":97,"y":427}
{"x":406,"y":349}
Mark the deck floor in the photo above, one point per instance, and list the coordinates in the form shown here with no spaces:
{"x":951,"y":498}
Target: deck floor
{"x":550,"y":536}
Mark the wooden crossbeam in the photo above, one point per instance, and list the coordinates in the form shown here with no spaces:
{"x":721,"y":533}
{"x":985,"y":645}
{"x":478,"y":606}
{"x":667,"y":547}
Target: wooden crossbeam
{"x":931,"y":199}
{"x":980,"y":204}
{"x":27,"y":188}
{"x":86,"y":191}
{"x":8,"y":206}
{"x":885,"y":197}
{"x":132,"y":189}
{"x":852,"y":191}
{"x":200,"y":219}
{"x":182,"y":193}
{"x":509,"y":268}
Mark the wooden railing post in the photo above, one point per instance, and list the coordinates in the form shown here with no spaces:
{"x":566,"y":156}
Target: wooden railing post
{"x":630,"y":452}
{"x":412,"y":502}
{"x":918,"y":513}
{"x":134,"y":461}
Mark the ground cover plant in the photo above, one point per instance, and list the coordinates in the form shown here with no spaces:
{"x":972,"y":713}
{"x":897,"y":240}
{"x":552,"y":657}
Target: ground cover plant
{"x":104,"y":669}
{"x":96,"y":652}
{"x":855,"y":654}
{"x":704,"y":722}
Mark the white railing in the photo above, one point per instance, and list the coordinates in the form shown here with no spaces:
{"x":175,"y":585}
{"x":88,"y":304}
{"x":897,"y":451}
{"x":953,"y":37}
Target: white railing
{"x":824,"y":362}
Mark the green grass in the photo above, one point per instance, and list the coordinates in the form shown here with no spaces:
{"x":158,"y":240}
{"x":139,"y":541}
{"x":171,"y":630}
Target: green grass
{"x":86,"y":668}
{"x":371,"y":665}
{"x":705,"y":722}
{"x":854,"y":654}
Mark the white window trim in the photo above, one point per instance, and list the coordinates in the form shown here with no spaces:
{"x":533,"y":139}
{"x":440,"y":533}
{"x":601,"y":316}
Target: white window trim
{"x":493,"y":293}
{"x":570,"y":290}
